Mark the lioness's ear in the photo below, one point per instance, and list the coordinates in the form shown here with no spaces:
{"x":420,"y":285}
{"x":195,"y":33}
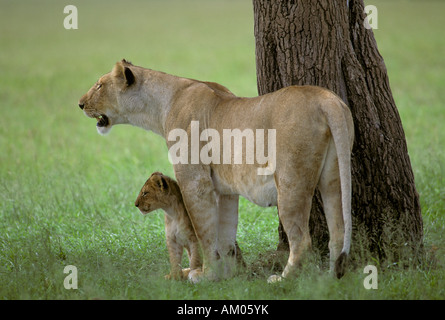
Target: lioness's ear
{"x":126,"y":62}
{"x":129,"y":76}
{"x":124,"y":73}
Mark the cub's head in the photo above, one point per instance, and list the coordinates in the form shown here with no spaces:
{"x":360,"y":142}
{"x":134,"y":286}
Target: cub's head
{"x":106,"y":99}
{"x":158,"y":192}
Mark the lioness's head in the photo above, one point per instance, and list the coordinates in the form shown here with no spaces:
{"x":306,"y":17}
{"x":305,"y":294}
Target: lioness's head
{"x":158,"y":192}
{"x":104,"y":99}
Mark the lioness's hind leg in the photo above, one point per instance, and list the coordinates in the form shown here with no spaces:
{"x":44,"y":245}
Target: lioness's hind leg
{"x":294,"y":211}
{"x":330,"y":190}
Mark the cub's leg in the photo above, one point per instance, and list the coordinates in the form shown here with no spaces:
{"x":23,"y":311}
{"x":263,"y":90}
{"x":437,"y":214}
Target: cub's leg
{"x":175,"y":253}
{"x":330,"y":190}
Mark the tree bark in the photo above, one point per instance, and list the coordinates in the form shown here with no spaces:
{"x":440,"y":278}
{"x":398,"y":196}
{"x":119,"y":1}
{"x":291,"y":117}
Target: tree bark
{"x":325,"y":43}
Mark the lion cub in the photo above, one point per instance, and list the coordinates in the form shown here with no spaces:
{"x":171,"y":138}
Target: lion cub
{"x":162,"y":192}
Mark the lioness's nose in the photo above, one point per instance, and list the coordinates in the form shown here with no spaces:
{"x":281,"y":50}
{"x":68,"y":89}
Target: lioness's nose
{"x":81,"y":105}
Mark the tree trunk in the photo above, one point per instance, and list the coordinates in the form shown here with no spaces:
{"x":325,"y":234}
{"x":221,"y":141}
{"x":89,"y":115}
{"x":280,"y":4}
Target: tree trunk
{"x":325,"y":43}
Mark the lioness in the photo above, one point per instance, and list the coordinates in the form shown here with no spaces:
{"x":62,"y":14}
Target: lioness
{"x":314,"y":136}
{"x":161,"y":192}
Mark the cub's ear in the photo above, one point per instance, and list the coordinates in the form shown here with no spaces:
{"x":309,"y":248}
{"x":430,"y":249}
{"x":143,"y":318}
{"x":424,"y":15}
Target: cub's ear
{"x":161,"y":182}
{"x":157,"y":173}
{"x":123,"y":72}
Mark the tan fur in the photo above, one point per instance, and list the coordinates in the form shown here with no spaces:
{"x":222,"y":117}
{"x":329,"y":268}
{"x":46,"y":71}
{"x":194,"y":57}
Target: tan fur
{"x":314,"y":137}
{"x":161,"y":192}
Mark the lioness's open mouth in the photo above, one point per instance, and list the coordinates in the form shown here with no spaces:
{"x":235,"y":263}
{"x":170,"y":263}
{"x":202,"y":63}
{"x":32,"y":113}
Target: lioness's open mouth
{"x":102,"y":121}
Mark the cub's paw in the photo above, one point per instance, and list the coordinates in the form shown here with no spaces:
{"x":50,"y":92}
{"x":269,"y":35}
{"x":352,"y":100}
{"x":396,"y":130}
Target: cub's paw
{"x":173,"y":276}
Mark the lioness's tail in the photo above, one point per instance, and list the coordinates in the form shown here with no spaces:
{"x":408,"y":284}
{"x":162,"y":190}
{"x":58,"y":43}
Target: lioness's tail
{"x":342,"y":130}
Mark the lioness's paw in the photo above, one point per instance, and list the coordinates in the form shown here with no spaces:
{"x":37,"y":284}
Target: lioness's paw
{"x":274,"y":278}
{"x":195,"y":275}
{"x":185,"y":273}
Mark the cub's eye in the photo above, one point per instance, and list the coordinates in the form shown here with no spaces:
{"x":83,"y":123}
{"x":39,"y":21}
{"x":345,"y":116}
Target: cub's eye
{"x":144,"y":194}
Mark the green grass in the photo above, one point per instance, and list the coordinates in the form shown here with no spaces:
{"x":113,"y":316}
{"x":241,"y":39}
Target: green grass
{"x":67,"y":194}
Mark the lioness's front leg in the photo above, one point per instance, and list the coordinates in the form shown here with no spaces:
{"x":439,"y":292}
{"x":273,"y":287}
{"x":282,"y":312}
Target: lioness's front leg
{"x":200,"y":199}
{"x":194,"y":254}
{"x":227,"y":227}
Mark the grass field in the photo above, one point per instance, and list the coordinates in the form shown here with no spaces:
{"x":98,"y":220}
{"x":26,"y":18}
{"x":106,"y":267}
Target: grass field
{"x":67,"y":194}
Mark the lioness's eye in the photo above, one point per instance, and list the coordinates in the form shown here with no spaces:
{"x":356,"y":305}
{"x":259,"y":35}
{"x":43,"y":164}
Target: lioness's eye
{"x":99,"y":85}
